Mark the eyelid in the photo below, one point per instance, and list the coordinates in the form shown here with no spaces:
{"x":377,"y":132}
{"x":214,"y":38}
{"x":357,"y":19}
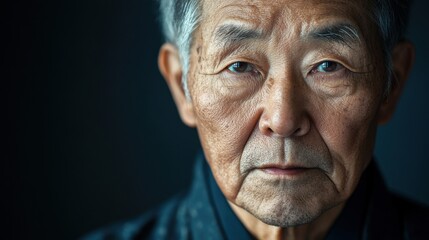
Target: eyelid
{"x":254,"y":74}
{"x":316,"y":56}
{"x":246,"y":54}
{"x":249,"y":65}
{"x":341,"y":63}
{"x":228,"y":64}
{"x":317,"y":65}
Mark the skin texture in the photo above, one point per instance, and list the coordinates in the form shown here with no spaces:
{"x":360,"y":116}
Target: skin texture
{"x":281,"y":98}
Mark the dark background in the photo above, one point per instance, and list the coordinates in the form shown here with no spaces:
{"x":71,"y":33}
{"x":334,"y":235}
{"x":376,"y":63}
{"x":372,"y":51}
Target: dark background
{"x":92,"y":134}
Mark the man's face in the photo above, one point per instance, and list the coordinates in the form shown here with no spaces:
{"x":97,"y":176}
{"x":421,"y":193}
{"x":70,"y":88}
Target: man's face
{"x":286,"y":97}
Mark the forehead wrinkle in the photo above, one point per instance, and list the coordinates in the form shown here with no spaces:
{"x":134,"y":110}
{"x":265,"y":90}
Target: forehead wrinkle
{"x":249,"y":13}
{"x":244,"y":15}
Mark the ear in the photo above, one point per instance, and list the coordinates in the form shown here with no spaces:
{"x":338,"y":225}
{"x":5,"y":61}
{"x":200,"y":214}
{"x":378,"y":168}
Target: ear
{"x":171,"y":69}
{"x":402,"y":60}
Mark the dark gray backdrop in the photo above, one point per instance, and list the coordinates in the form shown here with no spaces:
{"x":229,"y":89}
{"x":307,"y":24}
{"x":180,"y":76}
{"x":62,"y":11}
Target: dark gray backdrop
{"x":93,"y":134}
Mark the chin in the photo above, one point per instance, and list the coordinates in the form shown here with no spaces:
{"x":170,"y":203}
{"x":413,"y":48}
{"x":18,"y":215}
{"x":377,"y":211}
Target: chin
{"x":287,"y":203}
{"x":285,"y":213}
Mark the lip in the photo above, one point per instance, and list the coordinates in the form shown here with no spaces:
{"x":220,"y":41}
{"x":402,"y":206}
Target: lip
{"x":284,"y":170}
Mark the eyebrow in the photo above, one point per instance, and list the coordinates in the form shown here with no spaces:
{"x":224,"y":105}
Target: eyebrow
{"x":232,"y":34}
{"x":340,"y":33}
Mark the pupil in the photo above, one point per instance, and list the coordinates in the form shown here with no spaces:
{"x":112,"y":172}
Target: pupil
{"x":329,"y":66}
{"x":240,"y":66}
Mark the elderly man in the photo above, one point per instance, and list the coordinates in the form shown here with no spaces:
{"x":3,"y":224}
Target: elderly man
{"x":286,"y":96}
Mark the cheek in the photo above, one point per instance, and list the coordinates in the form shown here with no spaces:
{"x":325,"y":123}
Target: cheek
{"x":348,"y":129}
{"x":224,"y":125}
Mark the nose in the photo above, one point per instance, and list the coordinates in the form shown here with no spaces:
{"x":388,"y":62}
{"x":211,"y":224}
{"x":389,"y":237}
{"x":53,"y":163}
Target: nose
{"x":284,"y":112}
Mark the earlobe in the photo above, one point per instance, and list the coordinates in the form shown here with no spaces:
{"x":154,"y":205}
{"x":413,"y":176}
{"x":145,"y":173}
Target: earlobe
{"x":171,"y":69}
{"x":402,"y":61}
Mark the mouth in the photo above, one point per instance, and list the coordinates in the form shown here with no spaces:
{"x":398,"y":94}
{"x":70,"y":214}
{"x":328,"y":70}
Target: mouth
{"x":284,"y":170}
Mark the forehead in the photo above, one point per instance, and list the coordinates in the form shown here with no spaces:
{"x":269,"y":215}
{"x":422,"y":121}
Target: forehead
{"x":289,"y":16}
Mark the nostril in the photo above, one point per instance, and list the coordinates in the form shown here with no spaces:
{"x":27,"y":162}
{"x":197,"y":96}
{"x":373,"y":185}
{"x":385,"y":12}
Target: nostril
{"x":297,"y":131}
{"x":265,"y":127}
{"x":304,"y":128}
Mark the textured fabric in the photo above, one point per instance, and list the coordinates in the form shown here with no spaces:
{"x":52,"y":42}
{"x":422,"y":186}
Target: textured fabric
{"x":371,"y":213}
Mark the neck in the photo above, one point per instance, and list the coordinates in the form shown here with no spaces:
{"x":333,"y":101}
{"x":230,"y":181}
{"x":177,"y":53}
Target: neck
{"x":317,"y":229}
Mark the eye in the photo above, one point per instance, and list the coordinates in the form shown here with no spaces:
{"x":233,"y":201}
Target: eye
{"x":240,"y":67}
{"x":326,"y":67}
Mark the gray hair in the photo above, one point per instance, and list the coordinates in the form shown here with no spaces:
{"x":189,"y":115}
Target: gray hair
{"x":180,"y":18}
